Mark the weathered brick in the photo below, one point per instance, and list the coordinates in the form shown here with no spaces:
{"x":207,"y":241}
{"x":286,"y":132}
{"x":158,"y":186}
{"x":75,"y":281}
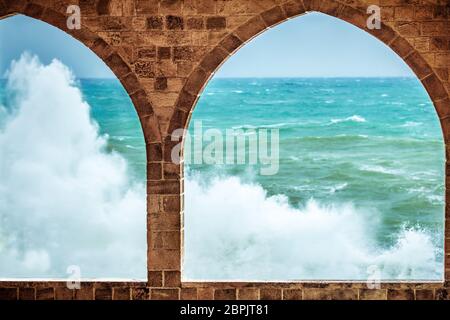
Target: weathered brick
{"x":103,"y":293}
{"x":434,"y":87}
{"x":195,"y":23}
{"x":273,"y":16}
{"x":248,"y":294}
{"x":404,"y":13}
{"x":293,"y":8}
{"x":165,"y":240}
{"x":170,"y":6}
{"x":354,"y":16}
{"x":174,"y":22}
{"x":165,"y":222}
{"x":270,"y":294}
{"x":33,"y":10}
{"x":231,"y":43}
{"x":140,"y":293}
{"x":443,"y":110}
{"x":400,"y":294}
{"x":64,"y":293}
{"x":292,"y":294}
{"x":441,"y":12}
{"x":423,"y":13}
{"x":408,"y":29}
{"x":146,"y":53}
{"x":424,"y":294}
{"x":188,"y":294}
{"x":442,"y":294}
{"x":164,"y":187}
{"x":103,"y":7}
{"x":84,"y":293}
{"x":225,"y":294}
{"x":131,"y":83}
{"x":196,"y":81}
{"x":146,"y":7}
{"x":442,"y":60}
{"x":172,"y":278}
{"x":435,"y":28}
{"x":172,"y":171}
{"x":108,"y":23}
{"x":155,"y":278}
{"x":251,"y":28}
{"x":401,"y":47}
{"x":142,"y":104}
{"x":45,"y":294}
{"x":164,"y":294}
{"x":372,"y":294}
{"x":8,"y":293}
{"x":145,"y":69}
{"x":216,"y":23}
{"x":154,"y":152}
{"x":161,"y":259}
{"x":118,"y":65}
{"x":213,"y":59}
{"x":205,"y":6}
{"x":160,"y":83}
{"x":418,"y":65}
{"x":330,"y":294}
{"x":164,"y":53}
{"x":121,"y":293}
{"x":27,"y":293}
{"x":440,"y":43}
{"x":155,"y":23}
{"x":205,"y":293}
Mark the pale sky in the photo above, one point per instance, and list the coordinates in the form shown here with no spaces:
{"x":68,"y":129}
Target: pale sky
{"x":313,"y":45}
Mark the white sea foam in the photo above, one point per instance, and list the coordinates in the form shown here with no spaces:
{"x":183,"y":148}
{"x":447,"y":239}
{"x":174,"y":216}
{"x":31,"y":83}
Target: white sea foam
{"x":264,"y":126}
{"x":354,"y":118}
{"x":235,"y":231}
{"x":381,"y":169}
{"x":63,"y":199}
{"x":411,"y":124}
{"x":338,"y":187}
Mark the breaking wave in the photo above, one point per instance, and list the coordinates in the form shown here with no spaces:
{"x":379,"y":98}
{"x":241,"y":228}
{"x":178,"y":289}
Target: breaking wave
{"x":354,"y":118}
{"x":234,"y":230}
{"x":64,"y":200}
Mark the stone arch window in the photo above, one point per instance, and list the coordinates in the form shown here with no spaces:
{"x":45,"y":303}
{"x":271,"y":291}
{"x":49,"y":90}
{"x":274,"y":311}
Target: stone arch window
{"x":73,"y":161}
{"x":328,"y":129}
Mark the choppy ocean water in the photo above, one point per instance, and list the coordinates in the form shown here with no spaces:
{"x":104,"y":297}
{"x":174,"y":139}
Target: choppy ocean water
{"x":359,"y":192}
{"x":361,"y":161}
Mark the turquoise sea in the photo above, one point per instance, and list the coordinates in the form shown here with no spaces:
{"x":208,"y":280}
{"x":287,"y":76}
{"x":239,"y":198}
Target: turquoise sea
{"x":362,"y":156}
{"x":374,"y":142}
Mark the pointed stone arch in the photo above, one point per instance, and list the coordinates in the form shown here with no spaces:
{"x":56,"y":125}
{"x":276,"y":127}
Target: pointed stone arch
{"x":56,"y":16}
{"x":355,"y":15}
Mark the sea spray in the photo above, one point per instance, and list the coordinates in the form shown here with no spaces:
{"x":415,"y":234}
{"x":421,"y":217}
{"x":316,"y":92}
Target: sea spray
{"x":235,"y":231}
{"x":64,"y":200}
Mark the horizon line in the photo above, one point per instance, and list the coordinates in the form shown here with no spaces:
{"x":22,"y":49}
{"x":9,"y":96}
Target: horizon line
{"x":268,"y":77}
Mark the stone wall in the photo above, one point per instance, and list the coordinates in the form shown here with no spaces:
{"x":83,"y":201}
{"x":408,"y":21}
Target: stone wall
{"x":164,"y":52}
